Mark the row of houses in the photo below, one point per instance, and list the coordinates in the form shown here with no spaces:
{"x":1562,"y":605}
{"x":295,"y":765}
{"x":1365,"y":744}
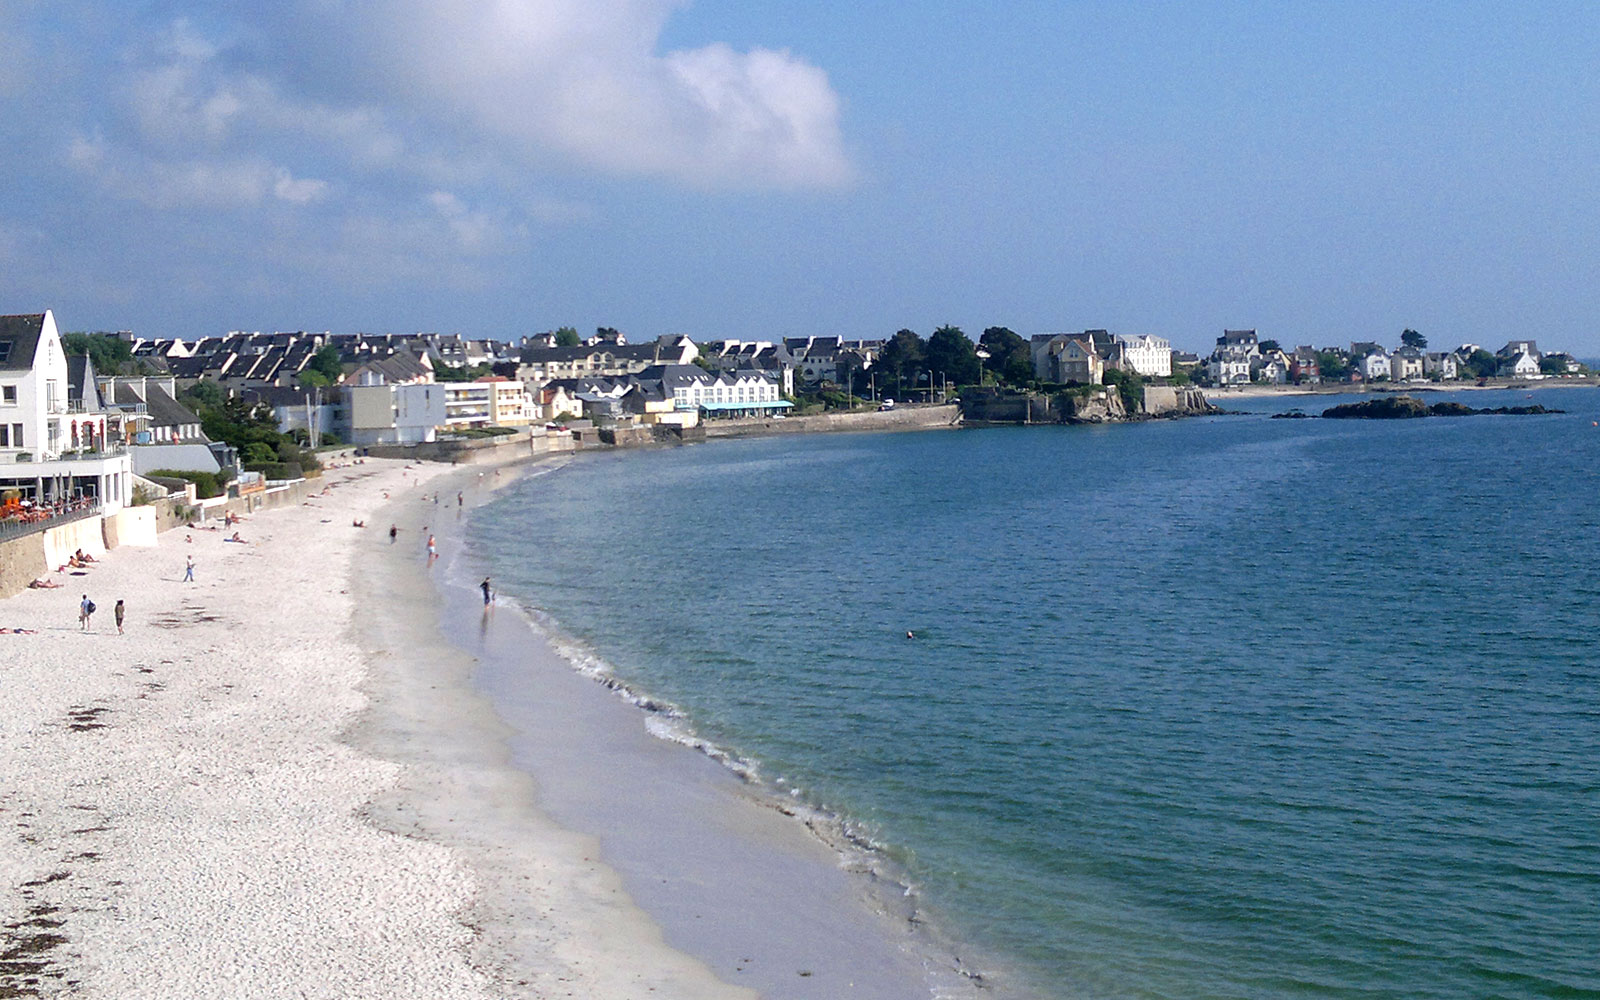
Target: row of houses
{"x":1239,"y":358}
{"x":1085,"y":357}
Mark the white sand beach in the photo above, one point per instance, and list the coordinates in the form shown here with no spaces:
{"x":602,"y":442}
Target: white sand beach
{"x":279,"y":783}
{"x":180,"y":814}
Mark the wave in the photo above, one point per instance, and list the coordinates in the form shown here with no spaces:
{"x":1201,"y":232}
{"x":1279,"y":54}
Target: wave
{"x":858,"y":849}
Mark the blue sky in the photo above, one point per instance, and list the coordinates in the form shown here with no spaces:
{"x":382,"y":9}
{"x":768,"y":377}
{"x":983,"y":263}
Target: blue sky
{"x":1322,"y":172}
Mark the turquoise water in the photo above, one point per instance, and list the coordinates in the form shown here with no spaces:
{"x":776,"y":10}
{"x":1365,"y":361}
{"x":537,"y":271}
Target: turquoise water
{"x":1233,"y":707}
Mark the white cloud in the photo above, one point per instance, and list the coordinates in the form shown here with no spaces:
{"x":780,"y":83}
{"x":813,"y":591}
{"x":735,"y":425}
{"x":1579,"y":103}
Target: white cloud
{"x":299,"y":191}
{"x":584,"y":80}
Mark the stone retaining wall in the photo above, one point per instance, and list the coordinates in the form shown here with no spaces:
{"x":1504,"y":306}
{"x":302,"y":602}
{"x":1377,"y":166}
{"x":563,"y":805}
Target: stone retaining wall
{"x":902,"y":418}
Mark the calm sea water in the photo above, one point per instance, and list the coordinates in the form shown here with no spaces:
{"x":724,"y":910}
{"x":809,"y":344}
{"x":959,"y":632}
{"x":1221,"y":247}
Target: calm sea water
{"x":1233,"y":707}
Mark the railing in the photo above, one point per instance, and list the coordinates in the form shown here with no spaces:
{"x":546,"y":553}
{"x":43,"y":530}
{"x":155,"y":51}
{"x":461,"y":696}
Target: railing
{"x":45,"y":518}
{"x":105,"y":451}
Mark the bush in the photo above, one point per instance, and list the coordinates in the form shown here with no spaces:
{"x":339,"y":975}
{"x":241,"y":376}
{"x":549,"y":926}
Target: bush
{"x":276,"y":470}
{"x":206,"y":485}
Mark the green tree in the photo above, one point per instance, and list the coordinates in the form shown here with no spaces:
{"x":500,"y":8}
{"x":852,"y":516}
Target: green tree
{"x":606,"y":332}
{"x":311,"y":378}
{"x":953,"y":357}
{"x":1482,"y":364}
{"x":1553,"y":366}
{"x":1010,"y":357}
{"x":461,"y":373}
{"x":327,"y":364}
{"x":1332,"y":366}
{"x":111,"y":354}
{"x":567,"y":337}
{"x":902,"y":357}
{"x":203,"y":393}
{"x":1411,"y":338}
{"x":1130,"y":386}
{"x":1268,"y":345}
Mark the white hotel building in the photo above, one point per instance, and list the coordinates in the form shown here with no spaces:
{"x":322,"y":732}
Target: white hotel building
{"x":54,"y":447}
{"x":1147,"y":355}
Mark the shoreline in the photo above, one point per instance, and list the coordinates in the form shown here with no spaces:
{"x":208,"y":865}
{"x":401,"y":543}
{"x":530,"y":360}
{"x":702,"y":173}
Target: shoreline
{"x":729,"y":872}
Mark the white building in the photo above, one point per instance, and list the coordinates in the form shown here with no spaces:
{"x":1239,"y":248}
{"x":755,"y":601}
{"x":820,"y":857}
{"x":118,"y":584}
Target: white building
{"x":1273,"y":368}
{"x":1521,"y":365}
{"x":1442,"y":365}
{"x":1147,"y":355}
{"x":1375,"y":365}
{"x":1407,"y":363}
{"x":53,"y":447}
{"x":1229,"y":366}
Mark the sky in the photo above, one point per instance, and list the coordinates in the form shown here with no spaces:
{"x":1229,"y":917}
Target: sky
{"x":1322,"y":172}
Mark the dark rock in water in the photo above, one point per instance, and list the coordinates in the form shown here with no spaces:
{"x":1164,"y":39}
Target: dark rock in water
{"x":1391,"y":408}
{"x":1292,"y":415}
{"x":1521,"y":411}
{"x":1406,"y":407}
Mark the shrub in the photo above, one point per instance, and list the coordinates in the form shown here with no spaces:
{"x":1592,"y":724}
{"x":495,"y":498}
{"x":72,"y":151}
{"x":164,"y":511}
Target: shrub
{"x":276,"y":470}
{"x":206,"y":485}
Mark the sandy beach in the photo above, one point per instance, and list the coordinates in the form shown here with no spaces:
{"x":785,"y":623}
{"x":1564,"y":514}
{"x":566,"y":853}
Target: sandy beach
{"x":280,"y":782}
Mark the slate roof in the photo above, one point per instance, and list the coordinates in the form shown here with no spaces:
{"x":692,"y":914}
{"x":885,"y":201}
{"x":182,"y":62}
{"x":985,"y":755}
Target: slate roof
{"x":164,"y":411}
{"x":80,"y":373}
{"x":19,"y":340}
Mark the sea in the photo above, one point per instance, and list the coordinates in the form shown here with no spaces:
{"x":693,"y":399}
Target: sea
{"x":1220,"y":707}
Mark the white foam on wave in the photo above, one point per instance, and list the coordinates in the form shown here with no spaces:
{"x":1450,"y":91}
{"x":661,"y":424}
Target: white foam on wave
{"x":858,"y":849}
{"x":856,"y":842}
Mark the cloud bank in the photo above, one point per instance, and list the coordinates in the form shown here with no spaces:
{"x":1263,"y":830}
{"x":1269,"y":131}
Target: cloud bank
{"x":259,"y":104}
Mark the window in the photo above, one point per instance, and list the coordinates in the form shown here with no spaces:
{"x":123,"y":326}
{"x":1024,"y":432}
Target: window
{"x":8,"y":393}
{"x":5,"y":435}
{"x":5,"y":350}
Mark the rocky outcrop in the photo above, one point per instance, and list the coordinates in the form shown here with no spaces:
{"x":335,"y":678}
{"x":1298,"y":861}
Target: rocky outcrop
{"x":1388,"y":408}
{"x":1176,"y":401}
{"x":1410,"y":407}
{"x":1098,"y":404}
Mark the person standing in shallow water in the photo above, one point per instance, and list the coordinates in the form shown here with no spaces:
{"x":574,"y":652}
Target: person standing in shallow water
{"x":118,"y":612}
{"x":487,"y":592}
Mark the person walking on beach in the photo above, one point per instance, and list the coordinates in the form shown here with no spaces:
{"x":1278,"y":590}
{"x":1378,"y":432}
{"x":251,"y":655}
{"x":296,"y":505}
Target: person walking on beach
{"x":117,"y":612}
{"x":85,"y":609}
{"x":188,"y":569}
{"x":459,"y":500}
{"x":487,"y":592}
{"x":433,"y":551}
{"x":394,"y":529}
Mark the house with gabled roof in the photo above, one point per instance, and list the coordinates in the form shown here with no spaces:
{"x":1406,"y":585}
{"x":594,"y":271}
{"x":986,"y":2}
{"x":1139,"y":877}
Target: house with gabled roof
{"x":54,"y":443}
{"x":1406,"y":363}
